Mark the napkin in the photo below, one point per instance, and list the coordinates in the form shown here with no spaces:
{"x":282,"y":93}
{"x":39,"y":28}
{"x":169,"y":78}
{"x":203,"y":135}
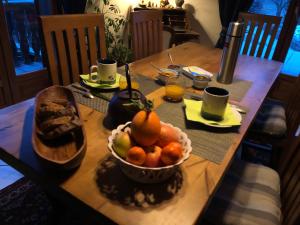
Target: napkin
{"x":195,"y":70}
{"x":85,"y":78}
{"x":193,"y":109}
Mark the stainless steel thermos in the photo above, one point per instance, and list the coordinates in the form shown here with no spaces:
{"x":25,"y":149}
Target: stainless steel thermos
{"x":230,"y":52}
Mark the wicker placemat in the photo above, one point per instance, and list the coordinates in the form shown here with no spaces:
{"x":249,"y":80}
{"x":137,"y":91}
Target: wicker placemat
{"x":146,"y":86}
{"x":208,"y":142}
{"x":96,"y":103}
{"x":237,"y":89}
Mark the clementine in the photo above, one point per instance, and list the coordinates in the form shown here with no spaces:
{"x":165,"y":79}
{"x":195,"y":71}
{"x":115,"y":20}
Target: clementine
{"x":145,"y":128}
{"x":171,"y":153}
{"x":136,"y":155}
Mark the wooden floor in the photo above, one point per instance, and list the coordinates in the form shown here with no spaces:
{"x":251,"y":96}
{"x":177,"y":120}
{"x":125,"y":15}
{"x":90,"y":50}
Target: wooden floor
{"x":8,"y":175}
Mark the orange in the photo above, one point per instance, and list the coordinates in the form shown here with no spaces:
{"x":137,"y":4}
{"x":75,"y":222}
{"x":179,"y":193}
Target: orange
{"x":171,"y":153}
{"x":136,"y":155}
{"x":145,"y":128}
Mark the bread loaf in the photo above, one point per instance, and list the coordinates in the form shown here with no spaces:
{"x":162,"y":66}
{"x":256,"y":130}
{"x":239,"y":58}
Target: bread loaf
{"x":57,"y":118}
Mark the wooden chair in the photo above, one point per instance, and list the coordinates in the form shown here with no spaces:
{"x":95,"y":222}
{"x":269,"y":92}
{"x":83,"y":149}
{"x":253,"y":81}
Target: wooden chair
{"x":180,"y":30}
{"x":147,"y":28}
{"x":73,"y":43}
{"x":259,"y":34}
{"x":255,"y":194}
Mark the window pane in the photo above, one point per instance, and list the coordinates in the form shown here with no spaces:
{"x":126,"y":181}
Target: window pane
{"x":270,"y":7}
{"x":292,"y":61}
{"x":24,"y":35}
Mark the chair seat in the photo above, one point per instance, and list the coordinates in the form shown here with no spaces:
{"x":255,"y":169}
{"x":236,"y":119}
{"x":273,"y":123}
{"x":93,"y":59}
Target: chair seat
{"x":249,"y":194}
{"x":271,"y":119}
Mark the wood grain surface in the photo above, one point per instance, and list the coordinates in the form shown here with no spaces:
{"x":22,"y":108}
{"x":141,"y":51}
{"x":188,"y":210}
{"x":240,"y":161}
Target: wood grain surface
{"x":101,"y":185}
{"x":64,"y":151}
{"x":147,"y":30}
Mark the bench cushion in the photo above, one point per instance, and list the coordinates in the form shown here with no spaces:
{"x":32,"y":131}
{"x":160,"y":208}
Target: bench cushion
{"x":249,"y":194}
{"x":271,"y":119}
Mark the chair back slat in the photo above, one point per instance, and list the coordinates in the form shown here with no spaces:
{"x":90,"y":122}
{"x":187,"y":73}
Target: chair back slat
{"x":152,"y":38}
{"x":92,"y":44}
{"x":264,"y":39}
{"x":145,"y":38}
{"x":260,"y":38}
{"x":146,"y":26}
{"x":155,"y":37}
{"x":288,"y":180}
{"x":293,"y":106}
{"x":78,"y":41}
{"x":271,"y":42}
{"x":83,"y":49}
{"x":249,"y":37}
{"x":293,"y":215}
{"x":100,"y":43}
{"x":62,"y":57}
{"x":49,"y":43}
{"x":73,"y":53}
{"x":289,"y":161}
{"x":291,"y":190}
{"x":158,"y":35}
{"x":256,"y":38}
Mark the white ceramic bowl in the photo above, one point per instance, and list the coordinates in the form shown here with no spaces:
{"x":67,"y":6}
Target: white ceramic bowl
{"x":147,"y":174}
{"x":200,"y":82}
{"x":165,"y":74}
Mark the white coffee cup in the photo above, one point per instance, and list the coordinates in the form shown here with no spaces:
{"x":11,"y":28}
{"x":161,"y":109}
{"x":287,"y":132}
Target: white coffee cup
{"x":214,"y":103}
{"x":106,"y":71}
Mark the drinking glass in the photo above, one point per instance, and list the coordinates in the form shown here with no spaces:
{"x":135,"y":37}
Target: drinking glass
{"x":123,"y":82}
{"x":174,"y":88}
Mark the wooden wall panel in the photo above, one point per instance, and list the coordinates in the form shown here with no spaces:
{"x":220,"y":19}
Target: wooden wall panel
{"x":3,"y":102}
{"x":28,"y":86}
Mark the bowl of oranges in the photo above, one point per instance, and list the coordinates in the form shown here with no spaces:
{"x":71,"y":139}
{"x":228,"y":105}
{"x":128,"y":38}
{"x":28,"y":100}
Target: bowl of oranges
{"x":147,"y":149}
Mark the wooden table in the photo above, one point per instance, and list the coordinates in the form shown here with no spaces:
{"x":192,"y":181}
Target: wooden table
{"x":200,"y":177}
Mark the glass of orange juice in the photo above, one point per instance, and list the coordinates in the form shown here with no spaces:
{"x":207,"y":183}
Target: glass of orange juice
{"x":123,"y":82}
{"x":174,"y":88}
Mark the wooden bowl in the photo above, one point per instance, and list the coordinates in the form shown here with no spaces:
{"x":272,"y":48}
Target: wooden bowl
{"x":65,"y":152}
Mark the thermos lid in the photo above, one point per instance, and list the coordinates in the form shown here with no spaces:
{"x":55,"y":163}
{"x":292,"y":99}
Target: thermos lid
{"x":235,"y":29}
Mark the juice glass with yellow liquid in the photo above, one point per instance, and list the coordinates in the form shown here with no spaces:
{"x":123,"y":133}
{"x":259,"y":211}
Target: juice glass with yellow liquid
{"x":123,"y":83}
{"x":174,"y":89}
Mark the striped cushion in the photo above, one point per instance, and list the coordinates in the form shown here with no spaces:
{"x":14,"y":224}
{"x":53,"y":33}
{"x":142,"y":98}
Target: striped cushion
{"x":271,"y":119}
{"x":249,"y":194}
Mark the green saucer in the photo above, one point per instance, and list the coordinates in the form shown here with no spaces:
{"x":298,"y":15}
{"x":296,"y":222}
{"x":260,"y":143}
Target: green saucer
{"x":85,"y":80}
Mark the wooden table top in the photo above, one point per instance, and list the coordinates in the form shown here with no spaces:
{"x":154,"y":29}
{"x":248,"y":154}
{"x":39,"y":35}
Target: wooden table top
{"x":200,"y":176}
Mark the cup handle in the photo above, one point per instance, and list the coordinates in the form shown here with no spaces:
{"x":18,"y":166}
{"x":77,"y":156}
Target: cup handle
{"x":92,"y":68}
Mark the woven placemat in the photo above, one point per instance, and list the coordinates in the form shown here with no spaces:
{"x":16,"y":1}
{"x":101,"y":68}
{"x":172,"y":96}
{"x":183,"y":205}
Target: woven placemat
{"x":208,"y":142}
{"x":146,"y":86}
{"x":96,"y":103}
{"x":237,"y":89}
